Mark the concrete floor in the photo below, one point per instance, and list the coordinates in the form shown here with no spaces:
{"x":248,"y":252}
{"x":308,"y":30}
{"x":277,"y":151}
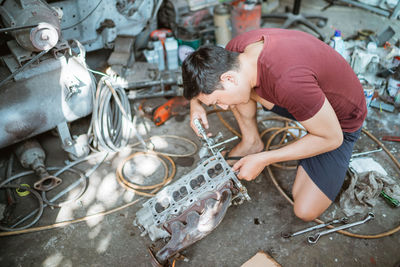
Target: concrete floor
{"x":246,"y":229}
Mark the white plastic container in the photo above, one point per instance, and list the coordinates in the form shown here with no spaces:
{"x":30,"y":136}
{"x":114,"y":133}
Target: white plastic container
{"x":159,"y":48}
{"x":150,"y":54}
{"x":338,"y":44}
{"x":171,"y":49}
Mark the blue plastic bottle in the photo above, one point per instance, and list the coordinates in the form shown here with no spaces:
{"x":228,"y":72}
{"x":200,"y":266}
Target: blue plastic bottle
{"x":338,"y":44}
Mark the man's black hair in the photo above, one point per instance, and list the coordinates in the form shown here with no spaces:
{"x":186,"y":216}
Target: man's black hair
{"x":202,"y":69}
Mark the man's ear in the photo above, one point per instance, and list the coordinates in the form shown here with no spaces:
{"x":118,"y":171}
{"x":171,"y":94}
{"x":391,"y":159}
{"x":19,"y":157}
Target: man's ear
{"x":228,"y":76}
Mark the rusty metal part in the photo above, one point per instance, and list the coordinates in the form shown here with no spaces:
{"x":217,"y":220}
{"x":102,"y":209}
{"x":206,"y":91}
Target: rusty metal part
{"x":31,"y":155}
{"x":199,"y":206}
{"x":391,"y":138}
{"x":153,"y":260}
{"x":47,"y":181}
{"x":191,"y":207}
{"x":197,"y":225}
{"x":180,"y":196}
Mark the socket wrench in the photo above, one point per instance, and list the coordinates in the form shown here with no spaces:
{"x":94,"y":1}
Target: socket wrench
{"x":314,"y":239}
{"x":342,"y":220}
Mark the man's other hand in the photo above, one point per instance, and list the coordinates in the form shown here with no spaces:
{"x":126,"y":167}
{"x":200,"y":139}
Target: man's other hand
{"x":250,"y":166}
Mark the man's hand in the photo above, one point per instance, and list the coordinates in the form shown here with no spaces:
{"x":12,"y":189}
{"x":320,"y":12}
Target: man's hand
{"x":251,"y":166}
{"x":197,"y":112}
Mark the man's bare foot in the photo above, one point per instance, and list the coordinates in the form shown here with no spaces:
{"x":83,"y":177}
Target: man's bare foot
{"x":243,"y":149}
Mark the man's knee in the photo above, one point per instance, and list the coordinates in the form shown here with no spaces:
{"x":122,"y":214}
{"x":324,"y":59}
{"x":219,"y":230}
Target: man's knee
{"x":306,"y":213}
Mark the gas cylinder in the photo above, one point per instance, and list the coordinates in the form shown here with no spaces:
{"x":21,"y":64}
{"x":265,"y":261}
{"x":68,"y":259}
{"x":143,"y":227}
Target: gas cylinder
{"x":223,"y":27}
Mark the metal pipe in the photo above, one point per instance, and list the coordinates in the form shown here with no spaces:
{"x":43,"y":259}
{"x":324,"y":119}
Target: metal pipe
{"x":31,"y":155}
{"x":133,"y":96}
{"x":365,"y":153}
{"x":224,"y":142}
{"x":137,"y":85}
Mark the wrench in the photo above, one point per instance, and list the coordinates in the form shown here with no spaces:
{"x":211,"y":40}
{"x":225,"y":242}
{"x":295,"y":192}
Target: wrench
{"x":365,"y":153}
{"x":313,"y":239}
{"x":342,"y":220}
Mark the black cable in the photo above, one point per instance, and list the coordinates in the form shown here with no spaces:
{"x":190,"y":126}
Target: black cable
{"x":23,"y":67}
{"x":82,"y":20}
{"x":39,"y":213}
{"x":10,"y":29}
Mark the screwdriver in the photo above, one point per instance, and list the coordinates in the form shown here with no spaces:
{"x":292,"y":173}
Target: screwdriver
{"x":392,"y":201}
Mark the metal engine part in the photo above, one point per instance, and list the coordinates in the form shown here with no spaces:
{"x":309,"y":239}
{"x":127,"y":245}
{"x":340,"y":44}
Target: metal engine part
{"x":44,"y":95}
{"x":96,"y":24}
{"x":192,"y":207}
{"x":31,"y":155}
{"x":174,"y":14}
{"x":45,"y":32}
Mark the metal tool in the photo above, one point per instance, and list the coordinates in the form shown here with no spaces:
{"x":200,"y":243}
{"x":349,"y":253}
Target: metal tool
{"x":391,"y":138}
{"x":210,"y":142}
{"x":314,"y":239}
{"x":203,"y":133}
{"x":365,"y":153}
{"x":224,"y":142}
{"x":342,"y":220}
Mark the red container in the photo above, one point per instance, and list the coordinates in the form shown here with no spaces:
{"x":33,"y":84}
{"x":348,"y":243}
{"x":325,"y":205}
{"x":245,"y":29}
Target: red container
{"x":245,"y":17}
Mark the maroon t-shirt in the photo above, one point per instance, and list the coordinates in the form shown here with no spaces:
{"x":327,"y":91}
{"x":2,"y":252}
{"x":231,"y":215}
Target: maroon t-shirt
{"x":297,"y":71}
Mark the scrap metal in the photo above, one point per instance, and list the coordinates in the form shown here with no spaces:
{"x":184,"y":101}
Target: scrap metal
{"x":193,"y":206}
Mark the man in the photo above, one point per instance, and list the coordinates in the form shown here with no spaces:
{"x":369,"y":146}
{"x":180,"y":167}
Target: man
{"x":293,"y":74}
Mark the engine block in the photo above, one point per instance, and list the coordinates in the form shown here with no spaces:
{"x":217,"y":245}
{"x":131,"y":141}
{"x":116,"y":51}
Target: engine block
{"x":211,"y":176}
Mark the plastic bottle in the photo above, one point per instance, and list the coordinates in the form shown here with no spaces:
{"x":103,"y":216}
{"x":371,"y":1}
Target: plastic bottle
{"x":171,"y":49}
{"x":150,"y":54}
{"x":338,"y":44}
{"x":159,"y":48}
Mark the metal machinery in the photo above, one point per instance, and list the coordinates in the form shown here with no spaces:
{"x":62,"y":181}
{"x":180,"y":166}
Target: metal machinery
{"x":44,"y":79}
{"x":96,"y":24}
{"x":45,"y":83}
{"x":193,"y":206}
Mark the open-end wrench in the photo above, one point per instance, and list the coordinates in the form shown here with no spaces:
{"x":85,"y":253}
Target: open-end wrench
{"x":365,"y":153}
{"x":313,"y":239}
{"x":342,"y":220}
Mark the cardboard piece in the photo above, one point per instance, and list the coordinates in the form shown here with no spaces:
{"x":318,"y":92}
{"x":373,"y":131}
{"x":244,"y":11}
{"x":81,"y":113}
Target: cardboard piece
{"x":261,"y":259}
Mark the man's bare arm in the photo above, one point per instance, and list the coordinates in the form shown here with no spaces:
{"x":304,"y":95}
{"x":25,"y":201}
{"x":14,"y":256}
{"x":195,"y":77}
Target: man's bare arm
{"x":324,"y":134}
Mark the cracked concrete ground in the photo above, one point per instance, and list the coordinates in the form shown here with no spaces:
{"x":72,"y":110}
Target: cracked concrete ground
{"x":257,"y":225}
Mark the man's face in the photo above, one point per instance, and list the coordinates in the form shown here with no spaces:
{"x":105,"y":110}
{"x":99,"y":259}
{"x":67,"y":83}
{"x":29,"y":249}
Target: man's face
{"x":233,"y":92}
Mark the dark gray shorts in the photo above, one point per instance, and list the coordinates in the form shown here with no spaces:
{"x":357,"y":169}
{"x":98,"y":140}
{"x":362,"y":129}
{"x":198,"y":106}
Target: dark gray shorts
{"x":327,"y":170}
